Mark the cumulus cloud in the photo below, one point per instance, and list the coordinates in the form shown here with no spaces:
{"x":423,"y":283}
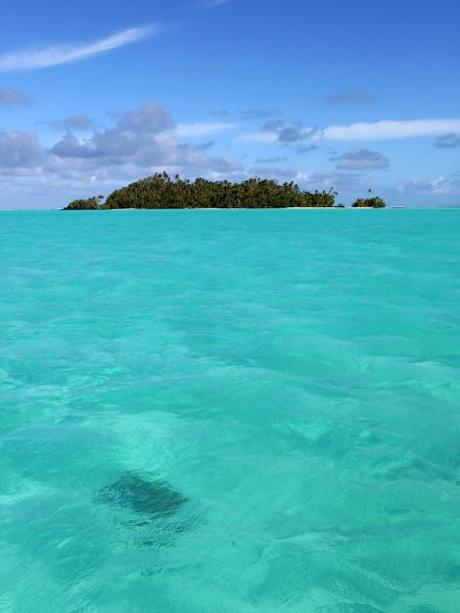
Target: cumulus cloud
{"x":151,"y":118}
{"x":13,"y":97}
{"x":141,"y":142}
{"x":71,"y":147}
{"x":448,"y":141}
{"x":348,"y":96}
{"x":440,"y":190}
{"x":35,"y":59}
{"x":19,"y":150}
{"x":361,"y":159}
{"x":145,"y":137}
{"x":436,"y":185}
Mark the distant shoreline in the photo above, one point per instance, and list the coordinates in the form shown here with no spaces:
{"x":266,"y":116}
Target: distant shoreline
{"x":240,"y":208}
{"x":291,"y":208}
{"x":452,"y":207}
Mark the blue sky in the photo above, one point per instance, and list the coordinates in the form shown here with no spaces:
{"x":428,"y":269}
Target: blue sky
{"x":354,"y":95}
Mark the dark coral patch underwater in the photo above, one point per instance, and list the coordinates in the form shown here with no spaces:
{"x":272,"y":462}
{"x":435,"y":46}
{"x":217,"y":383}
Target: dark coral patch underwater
{"x":152,"y":499}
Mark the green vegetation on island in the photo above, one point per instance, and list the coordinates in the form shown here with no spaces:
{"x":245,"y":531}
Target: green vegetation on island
{"x":369,"y":203}
{"x":163,"y":192}
{"x":160,"y":191}
{"x":85,"y":204}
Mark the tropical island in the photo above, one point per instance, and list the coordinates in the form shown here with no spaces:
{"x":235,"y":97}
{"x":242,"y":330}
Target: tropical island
{"x":160,"y":191}
{"x":371,"y":202}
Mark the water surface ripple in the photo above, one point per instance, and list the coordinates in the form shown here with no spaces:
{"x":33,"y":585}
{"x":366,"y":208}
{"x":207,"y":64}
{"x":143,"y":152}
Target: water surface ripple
{"x":230,"y":411}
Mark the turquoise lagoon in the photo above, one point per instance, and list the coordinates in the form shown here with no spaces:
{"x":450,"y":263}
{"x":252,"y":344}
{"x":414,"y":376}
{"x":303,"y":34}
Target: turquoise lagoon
{"x":230,"y":411}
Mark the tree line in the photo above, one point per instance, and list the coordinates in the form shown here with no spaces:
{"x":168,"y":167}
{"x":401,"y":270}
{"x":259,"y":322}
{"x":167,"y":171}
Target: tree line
{"x":160,"y":191}
{"x":373,"y":202}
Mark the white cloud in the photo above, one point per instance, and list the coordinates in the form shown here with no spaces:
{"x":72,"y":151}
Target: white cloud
{"x":198,"y":129}
{"x":361,"y":159}
{"x":262,"y":137}
{"x":385,"y":130}
{"x":141,"y":142}
{"x":378,"y":130}
{"x":35,"y":59}
{"x":437,"y":185}
{"x":19,"y":149}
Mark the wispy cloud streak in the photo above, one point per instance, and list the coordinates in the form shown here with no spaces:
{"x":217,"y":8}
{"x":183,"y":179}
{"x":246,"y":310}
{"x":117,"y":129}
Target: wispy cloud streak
{"x":378,"y":130}
{"x":36,"y":59}
{"x":213,"y":3}
{"x":385,"y":130}
{"x":199,"y":129}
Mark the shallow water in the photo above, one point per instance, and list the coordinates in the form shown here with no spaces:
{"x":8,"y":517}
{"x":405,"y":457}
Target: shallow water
{"x":230,"y":411}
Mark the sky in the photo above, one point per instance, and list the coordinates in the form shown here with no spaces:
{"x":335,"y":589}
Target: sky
{"x":345,"y":94}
